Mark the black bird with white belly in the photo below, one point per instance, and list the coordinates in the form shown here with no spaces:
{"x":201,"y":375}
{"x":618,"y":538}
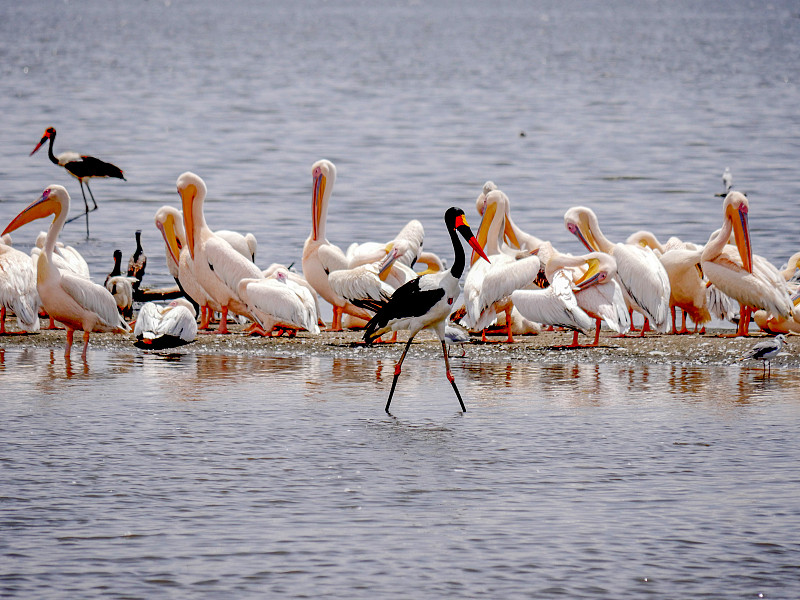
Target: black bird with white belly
{"x":80,"y":166}
{"x":426,"y":302}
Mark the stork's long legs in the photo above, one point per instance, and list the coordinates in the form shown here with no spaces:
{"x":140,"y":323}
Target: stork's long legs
{"x":397,"y":369}
{"x":450,"y":377}
{"x":86,"y":204}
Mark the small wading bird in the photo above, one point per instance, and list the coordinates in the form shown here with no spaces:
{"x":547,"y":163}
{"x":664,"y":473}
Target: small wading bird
{"x":72,"y":300}
{"x":80,"y":166}
{"x":765,"y":351}
{"x":425,"y":302}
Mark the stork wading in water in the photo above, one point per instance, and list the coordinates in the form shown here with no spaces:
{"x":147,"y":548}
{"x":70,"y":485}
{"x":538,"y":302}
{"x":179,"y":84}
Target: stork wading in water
{"x":72,"y":300}
{"x":82,"y":167}
{"x":425,"y":302}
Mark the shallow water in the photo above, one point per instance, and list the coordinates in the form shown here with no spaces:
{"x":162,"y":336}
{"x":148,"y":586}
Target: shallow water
{"x":205,"y":475}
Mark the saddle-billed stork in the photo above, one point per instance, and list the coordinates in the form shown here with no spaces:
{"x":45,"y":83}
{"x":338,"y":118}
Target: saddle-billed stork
{"x":80,"y":166}
{"x":426,"y":302}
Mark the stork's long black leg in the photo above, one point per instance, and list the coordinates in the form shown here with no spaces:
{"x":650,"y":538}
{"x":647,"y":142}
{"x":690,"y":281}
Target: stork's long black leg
{"x":397,"y":369}
{"x":92,"y":195}
{"x":86,"y":204}
{"x":450,"y":377}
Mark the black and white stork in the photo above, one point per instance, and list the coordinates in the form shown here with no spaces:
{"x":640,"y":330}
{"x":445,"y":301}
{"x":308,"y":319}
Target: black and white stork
{"x":80,"y":166}
{"x":425,"y":302}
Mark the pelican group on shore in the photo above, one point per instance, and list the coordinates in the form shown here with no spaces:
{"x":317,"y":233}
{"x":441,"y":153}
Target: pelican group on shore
{"x":515,"y":281}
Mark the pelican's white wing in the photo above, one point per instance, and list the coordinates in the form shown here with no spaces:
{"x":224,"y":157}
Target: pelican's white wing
{"x":646,"y":281}
{"x":607,"y":302}
{"x":178,"y":321}
{"x":332,"y":258}
{"x":147,"y":321}
{"x":555,"y":305}
{"x":18,"y":287}
{"x":230,"y":266}
{"x":488,"y":283}
{"x":245,"y":245}
{"x":282,"y":302}
{"x":360,"y":283}
{"x":94,"y":298}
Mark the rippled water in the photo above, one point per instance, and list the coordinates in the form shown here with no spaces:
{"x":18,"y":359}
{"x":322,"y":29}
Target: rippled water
{"x":200,"y":476}
{"x":205,"y":476}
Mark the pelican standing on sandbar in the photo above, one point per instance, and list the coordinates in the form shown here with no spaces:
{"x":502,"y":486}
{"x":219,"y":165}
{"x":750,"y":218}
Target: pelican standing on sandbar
{"x":76,"y":302}
{"x":320,"y":257}
{"x":218,"y":268}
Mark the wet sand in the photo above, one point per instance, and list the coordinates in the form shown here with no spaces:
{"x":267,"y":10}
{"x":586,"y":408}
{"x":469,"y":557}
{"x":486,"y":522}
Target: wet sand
{"x":706,"y":349}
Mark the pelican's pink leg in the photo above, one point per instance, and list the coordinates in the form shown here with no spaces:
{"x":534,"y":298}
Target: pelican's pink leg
{"x":68,"y":349}
{"x":510,"y":338}
{"x":85,"y":344}
{"x":223,"y":321}
{"x":205,"y":316}
{"x":336,"y":325}
{"x":597,"y":326}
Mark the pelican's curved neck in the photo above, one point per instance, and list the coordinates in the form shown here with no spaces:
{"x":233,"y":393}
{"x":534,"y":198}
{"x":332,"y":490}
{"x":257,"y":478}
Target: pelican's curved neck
{"x":603,"y":243}
{"x":52,"y":234}
{"x":715,"y":245}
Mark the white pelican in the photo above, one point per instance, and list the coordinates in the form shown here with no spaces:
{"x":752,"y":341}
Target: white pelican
{"x":734,"y":271}
{"x":364,"y":285}
{"x":320,"y":257}
{"x":515,"y":238}
{"x":425,"y":302}
{"x":410,"y":238}
{"x":169,"y":221}
{"x":158,"y":327}
{"x":488,"y":286}
{"x":246,"y":244}
{"x":765,"y":351}
{"x":217,"y":267}
{"x":277,"y":301}
{"x":81,"y":166}
{"x":643,"y":278}
{"x":18,"y":289}
{"x":554,"y":305}
{"x":64,"y":257}
{"x":71,"y":300}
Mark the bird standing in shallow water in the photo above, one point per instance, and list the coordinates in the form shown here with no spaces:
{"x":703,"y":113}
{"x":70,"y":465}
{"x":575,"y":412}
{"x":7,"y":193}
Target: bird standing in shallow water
{"x":425,"y":302}
{"x":765,"y":351}
{"x":80,"y":166}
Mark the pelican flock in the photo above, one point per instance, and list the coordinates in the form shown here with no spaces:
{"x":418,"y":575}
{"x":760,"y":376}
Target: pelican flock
{"x":514,"y":280}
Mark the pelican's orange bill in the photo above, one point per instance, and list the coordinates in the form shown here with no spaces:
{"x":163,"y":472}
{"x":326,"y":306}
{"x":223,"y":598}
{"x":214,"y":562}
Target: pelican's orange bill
{"x":36,"y":210}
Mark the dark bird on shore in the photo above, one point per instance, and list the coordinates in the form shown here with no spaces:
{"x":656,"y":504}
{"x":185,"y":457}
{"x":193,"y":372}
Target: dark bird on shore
{"x":80,"y":166}
{"x":117,"y":270}
{"x":765,"y":351}
{"x":137,"y":261}
{"x":425,"y":302}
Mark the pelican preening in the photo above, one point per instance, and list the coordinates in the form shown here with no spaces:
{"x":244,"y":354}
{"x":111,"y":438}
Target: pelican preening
{"x":425,"y":302}
{"x":80,"y":166}
{"x":277,"y":301}
{"x":69,"y":299}
{"x":489,"y":284}
{"x":217,"y":267}
{"x":644,"y":280}
{"x":159,"y":327}
{"x":18,"y":289}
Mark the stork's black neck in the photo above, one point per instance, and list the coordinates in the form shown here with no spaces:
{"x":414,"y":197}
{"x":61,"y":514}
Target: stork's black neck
{"x":458,"y":262}
{"x":50,"y":154}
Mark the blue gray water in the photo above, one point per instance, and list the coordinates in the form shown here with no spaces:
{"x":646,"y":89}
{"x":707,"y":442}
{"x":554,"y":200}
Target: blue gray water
{"x":206,"y":476}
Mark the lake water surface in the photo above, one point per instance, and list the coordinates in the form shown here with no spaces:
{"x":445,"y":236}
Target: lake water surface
{"x":138,"y":476}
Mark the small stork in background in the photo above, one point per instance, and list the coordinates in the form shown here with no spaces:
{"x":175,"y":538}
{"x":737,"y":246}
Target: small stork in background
{"x":426,"y":302}
{"x":765,"y":351}
{"x":80,"y":166}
